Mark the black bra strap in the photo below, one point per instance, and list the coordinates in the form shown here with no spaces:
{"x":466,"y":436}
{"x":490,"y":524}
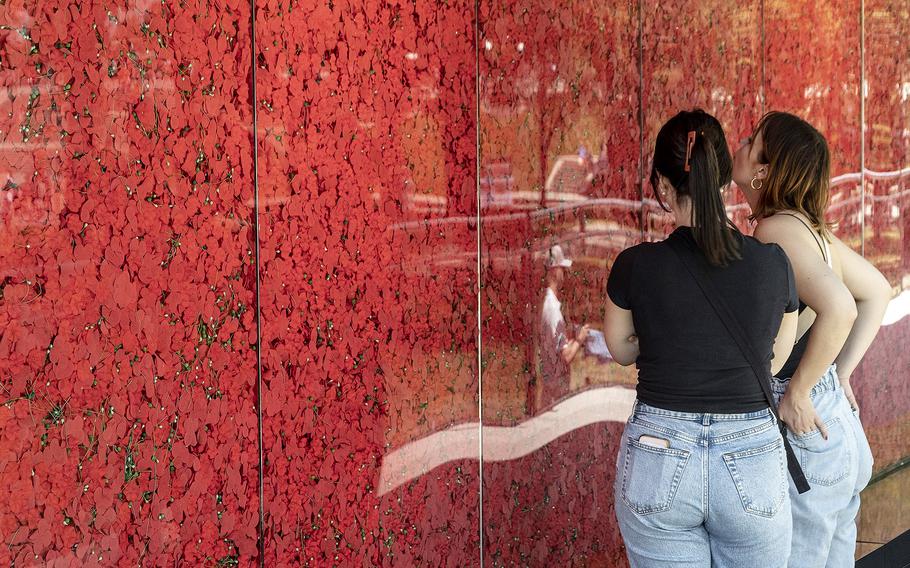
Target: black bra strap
{"x":811,"y":230}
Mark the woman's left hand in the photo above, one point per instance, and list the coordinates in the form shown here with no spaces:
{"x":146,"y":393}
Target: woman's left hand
{"x":798,"y":413}
{"x":848,"y":391}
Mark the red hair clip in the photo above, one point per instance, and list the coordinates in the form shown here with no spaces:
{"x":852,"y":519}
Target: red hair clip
{"x":690,"y":141}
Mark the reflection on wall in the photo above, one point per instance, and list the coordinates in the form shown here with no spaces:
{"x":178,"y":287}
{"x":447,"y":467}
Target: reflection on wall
{"x":442,"y":189}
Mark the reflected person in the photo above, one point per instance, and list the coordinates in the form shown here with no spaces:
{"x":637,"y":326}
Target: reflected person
{"x":557,"y":348}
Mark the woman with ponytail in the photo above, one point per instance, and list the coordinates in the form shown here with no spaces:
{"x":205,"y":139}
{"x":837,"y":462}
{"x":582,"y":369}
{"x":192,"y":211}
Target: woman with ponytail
{"x":783,"y":171}
{"x":701,"y":476}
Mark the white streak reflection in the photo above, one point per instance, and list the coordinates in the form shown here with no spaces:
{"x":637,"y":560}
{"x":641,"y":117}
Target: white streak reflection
{"x":502,"y":443}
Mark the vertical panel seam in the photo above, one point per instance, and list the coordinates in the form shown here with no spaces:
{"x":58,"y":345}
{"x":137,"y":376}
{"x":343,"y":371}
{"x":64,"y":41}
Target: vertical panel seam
{"x":761,"y":85}
{"x":862,"y":128}
{"x":261,"y":530}
{"x":641,"y":127}
{"x":477,"y":204}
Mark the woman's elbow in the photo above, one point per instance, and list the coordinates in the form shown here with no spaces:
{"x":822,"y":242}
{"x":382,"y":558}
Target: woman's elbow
{"x":622,"y":353}
{"x":837,"y":312}
{"x":845,"y":311}
{"x":875,"y":292}
{"x":625,"y":360}
{"x":884,"y":292}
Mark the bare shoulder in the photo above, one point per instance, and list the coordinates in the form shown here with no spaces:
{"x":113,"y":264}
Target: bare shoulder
{"x":787,"y":230}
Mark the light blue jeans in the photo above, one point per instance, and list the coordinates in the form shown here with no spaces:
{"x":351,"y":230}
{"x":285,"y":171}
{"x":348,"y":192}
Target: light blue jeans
{"x":715,"y":498}
{"x":824,"y":518}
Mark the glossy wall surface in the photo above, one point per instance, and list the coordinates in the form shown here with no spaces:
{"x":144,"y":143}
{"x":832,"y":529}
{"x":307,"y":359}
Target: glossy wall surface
{"x":128,"y":293}
{"x":298,"y":250}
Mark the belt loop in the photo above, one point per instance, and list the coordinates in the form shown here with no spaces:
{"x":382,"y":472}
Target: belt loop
{"x":706,"y":419}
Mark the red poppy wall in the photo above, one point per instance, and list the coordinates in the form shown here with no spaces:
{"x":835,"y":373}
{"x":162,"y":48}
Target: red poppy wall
{"x":273,"y":277}
{"x":129,"y":426}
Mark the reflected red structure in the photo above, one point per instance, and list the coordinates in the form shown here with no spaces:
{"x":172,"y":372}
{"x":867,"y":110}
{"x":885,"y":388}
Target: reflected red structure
{"x":380,"y":280}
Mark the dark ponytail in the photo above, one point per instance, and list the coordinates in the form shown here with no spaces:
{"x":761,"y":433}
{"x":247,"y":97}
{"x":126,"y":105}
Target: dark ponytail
{"x":710,"y":168}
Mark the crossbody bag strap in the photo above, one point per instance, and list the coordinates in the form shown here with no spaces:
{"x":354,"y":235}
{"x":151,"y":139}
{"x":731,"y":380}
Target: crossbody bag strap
{"x":698,"y":273}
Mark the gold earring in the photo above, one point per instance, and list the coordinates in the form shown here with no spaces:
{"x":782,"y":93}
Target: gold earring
{"x":752,"y":183}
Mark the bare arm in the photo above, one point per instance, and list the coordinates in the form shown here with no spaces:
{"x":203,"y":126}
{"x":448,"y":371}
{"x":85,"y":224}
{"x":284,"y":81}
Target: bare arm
{"x":822,"y":290}
{"x":619,"y":333}
{"x":783,"y":343}
{"x":872,"y":293}
{"x":806,"y":319}
{"x":573,"y":346}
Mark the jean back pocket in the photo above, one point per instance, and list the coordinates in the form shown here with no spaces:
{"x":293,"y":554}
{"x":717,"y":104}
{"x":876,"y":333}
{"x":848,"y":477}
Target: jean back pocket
{"x":825,"y":462}
{"x":760,"y":477}
{"x":651,"y":476}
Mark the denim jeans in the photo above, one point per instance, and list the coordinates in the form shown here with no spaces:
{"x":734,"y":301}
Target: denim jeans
{"x":824,"y":518}
{"x":716,"y":497}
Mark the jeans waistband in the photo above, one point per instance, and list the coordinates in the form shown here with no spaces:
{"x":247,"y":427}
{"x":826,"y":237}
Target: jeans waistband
{"x":828,"y":383}
{"x":700,"y":417}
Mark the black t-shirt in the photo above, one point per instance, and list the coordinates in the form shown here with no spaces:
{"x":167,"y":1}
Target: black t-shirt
{"x":688,"y":361}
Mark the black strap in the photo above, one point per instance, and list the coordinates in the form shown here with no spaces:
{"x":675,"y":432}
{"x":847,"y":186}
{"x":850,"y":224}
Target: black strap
{"x":814,"y":236}
{"x":697,"y":270}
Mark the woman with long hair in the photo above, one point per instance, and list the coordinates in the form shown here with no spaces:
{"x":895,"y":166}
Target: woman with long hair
{"x":783,"y":171}
{"x":701,"y":476}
